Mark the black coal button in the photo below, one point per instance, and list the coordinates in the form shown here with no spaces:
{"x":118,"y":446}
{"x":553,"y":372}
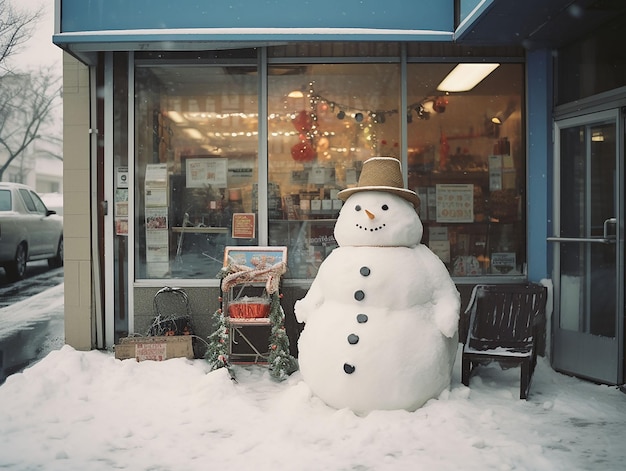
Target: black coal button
{"x":359,"y":295}
{"x":353,"y":339}
{"x":348,"y":368}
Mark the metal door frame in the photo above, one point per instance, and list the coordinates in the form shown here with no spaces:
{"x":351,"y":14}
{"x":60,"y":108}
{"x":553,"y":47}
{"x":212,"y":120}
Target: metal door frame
{"x":566,"y":342}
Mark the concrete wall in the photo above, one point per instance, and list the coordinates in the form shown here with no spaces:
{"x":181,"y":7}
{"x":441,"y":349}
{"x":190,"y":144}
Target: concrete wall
{"x":77,"y":224}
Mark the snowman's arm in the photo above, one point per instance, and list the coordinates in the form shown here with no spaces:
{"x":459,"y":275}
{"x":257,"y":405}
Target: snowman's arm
{"x":447,"y":306}
{"x":445,"y":297}
{"x":313,"y":299}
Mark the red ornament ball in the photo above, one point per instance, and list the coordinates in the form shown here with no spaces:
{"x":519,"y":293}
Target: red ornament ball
{"x":302,"y":122}
{"x":303,"y":152}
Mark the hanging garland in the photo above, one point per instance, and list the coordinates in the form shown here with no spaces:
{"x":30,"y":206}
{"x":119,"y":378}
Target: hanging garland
{"x":423,"y":108}
{"x":305,"y":122}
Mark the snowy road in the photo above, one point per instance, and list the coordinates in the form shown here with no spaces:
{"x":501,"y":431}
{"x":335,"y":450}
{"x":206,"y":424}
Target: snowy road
{"x":38,"y":278}
{"x":31,"y":319}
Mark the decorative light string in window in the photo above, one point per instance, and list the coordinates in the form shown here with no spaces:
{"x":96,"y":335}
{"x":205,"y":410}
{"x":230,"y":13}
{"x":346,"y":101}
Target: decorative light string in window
{"x":423,"y":108}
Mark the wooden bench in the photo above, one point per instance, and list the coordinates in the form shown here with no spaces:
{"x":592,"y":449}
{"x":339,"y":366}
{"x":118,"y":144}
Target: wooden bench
{"x":503,"y":327}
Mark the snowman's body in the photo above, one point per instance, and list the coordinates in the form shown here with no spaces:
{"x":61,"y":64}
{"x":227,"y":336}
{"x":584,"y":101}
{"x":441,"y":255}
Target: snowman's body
{"x":382,"y":313}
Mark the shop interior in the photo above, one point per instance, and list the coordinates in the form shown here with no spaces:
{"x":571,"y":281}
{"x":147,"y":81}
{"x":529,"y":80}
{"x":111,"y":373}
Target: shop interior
{"x":465,"y":158}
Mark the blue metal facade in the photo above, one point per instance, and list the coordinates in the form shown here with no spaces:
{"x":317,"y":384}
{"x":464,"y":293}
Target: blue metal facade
{"x":94,"y":25}
{"x":123,"y":20}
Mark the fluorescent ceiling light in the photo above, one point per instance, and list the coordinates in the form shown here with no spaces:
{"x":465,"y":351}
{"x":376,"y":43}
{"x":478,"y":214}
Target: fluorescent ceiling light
{"x":464,"y":77}
{"x":193,"y":133}
{"x":296,"y":94}
{"x":176,"y":117}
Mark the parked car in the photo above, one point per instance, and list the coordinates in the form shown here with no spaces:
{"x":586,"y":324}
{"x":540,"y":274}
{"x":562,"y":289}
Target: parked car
{"x":28,"y":230}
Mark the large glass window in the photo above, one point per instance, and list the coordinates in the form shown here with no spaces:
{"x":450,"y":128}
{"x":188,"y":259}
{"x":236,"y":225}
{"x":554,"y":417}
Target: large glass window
{"x":196,"y":167}
{"x":197,"y":185}
{"x":466,"y":160}
{"x":324,"y":121}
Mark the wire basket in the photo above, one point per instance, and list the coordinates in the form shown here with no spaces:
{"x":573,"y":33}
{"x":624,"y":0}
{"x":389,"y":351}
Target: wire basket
{"x":172,"y":314}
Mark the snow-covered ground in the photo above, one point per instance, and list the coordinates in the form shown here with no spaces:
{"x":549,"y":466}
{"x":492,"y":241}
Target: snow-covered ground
{"x":87,"y":411}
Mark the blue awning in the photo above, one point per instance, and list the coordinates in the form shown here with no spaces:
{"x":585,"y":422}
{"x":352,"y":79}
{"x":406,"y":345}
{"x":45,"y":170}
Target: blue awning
{"x":85,"y":27}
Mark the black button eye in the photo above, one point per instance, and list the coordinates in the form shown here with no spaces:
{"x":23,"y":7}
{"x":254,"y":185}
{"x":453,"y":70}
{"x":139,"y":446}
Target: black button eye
{"x":357,"y":207}
{"x":385,"y":207}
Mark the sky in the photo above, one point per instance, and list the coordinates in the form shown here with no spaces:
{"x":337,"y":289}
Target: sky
{"x":80,"y":411}
{"x":38,"y":50}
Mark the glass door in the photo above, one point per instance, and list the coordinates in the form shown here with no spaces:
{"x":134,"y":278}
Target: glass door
{"x":588,"y":248}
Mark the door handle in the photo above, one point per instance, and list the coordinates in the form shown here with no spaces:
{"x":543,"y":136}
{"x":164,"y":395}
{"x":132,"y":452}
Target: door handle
{"x":605,"y":239}
{"x":601,"y":240}
{"x":607,"y":223}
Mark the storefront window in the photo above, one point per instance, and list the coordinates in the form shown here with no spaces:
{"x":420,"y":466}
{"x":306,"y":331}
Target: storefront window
{"x":324,"y":121}
{"x":466,"y":161}
{"x":197,"y":182}
{"x":196,"y":167}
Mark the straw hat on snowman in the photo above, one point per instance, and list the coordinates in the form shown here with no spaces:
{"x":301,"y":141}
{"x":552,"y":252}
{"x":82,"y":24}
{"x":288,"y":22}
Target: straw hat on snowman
{"x":382,"y":174}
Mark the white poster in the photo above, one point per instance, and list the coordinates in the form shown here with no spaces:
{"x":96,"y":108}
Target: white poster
{"x":455,"y":202}
{"x":156,"y":219}
{"x":156,"y":175}
{"x":202,"y":172}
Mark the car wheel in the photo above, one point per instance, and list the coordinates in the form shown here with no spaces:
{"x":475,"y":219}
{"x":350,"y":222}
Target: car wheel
{"x":17,"y":269}
{"x":57,"y":260}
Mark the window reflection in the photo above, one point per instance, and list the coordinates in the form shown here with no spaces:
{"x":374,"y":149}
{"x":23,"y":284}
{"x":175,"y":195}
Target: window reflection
{"x":323,"y":123}
{"x":197,"y":167}
{"x":197,"y":164}
{"x":466,"y":161}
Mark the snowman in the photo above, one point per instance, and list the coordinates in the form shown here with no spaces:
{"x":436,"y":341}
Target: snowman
{"x":381,"y":316}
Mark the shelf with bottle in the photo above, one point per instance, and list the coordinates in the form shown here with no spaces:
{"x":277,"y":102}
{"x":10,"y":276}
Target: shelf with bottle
{"x":311,"y":205}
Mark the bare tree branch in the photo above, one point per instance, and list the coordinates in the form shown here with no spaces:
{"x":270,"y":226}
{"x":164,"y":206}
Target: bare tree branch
{"x":16,"y":27}
{"x":26,"y":103}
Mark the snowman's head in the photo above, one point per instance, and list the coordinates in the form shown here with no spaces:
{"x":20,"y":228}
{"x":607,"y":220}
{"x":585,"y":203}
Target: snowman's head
{"x":378,"y":219}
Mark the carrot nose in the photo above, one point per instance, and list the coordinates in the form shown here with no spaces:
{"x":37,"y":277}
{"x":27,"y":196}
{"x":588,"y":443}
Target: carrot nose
{"x":369,"y":215}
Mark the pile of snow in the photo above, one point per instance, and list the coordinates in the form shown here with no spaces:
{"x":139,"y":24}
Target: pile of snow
{"x":88,"y":411}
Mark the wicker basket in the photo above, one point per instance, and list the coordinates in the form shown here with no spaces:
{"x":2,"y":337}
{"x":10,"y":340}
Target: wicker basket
{"x":249,"y":308}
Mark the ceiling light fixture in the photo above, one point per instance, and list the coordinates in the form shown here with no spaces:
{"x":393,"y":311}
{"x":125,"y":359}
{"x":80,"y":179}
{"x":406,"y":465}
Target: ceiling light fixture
{"x":502,"y":116}
{"x":176,"y":117}
{"x":193,"y":133}
{"x":597,"y":136}
{"x":464,"y":77}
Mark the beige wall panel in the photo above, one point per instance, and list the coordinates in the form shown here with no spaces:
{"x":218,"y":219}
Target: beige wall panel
{"x":77,"y":248}
{"x":76,"y":182}
{"x":75,"y":147}
{"x":77,"y":224}
{"x":71,"y":275}
{"x":76,"y":206}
